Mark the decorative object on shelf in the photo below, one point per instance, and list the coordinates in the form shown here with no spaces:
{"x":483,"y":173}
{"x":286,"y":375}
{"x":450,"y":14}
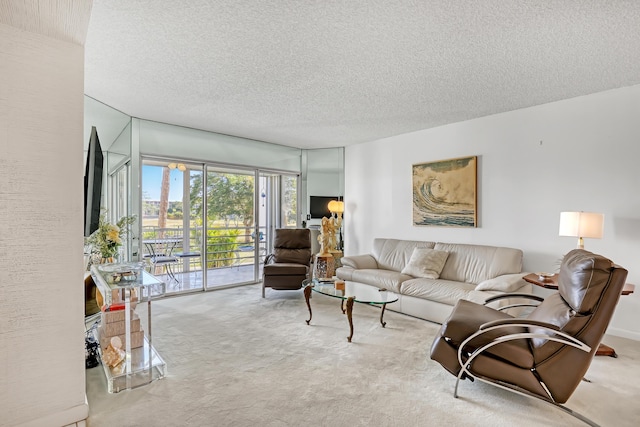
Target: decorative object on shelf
{"x":181,"y":167}
{"x":580,"y":225}
{"x":108,"y":238}
{"x":327,"y":237}
{"x":325,"y":264}
{"x":125,"y":272}
{"x":545,"y":277}
{"x":444,"y":193}
{"x":113,"y":354}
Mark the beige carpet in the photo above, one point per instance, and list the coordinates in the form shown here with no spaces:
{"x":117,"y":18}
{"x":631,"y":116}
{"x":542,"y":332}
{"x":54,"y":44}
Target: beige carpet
{"x":235,"y":359}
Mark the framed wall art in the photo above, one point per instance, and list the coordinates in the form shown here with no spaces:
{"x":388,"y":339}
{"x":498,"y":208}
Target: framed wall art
{"x":444,"y":193}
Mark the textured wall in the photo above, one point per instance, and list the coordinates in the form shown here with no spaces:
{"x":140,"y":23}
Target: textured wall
{"x":42,"y":378}
{"x":577,"y":154}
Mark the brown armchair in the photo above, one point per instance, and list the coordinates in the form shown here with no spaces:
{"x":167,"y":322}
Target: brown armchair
{"x":546,"y":354}
{"x":290,"y":262}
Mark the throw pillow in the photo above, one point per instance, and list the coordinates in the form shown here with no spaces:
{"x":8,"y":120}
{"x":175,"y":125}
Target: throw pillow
{"x":425,"y":262}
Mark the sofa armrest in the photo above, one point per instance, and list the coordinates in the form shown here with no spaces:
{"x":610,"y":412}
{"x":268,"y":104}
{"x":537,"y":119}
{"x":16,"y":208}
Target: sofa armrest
{"x":359,"y":262}
{"x":504,"y":283}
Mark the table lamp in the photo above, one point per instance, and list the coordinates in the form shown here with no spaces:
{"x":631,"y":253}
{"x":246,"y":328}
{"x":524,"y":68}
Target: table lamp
{"x":336,"y":207}
{"x":581,"y":224}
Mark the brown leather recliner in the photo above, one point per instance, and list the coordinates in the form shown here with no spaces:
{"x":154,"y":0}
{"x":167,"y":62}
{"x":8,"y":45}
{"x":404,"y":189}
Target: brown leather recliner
{"x":290,"y":262}
{"x":546,"y":354}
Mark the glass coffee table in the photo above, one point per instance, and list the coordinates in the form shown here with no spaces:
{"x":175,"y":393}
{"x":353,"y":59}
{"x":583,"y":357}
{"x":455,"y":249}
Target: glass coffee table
{"x":353,"y":292}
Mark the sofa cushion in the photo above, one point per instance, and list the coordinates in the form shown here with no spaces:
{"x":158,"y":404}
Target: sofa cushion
{"x":426,"y":263}
{"x":476,"y":263}
{"x":359,"y":261}
{"x":504,"y":283}
{"x":383,"y":279}
{"x":393,"y":254}
{"x":443,"y":291}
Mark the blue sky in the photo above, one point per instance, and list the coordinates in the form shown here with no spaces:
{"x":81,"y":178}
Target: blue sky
{"x":152,"y":180}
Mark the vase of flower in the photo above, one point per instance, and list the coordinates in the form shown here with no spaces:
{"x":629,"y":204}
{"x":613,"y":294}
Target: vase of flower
{"x":108,"y":238}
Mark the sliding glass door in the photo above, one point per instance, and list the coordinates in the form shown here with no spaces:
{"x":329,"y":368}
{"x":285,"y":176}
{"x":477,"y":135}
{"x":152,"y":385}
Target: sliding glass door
{"x":230,"y":226}
{"x":214,"y":222}
{"x":171,"y":238}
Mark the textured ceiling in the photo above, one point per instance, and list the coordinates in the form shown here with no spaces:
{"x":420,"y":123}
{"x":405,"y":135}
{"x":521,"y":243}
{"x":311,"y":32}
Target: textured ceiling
{"x":315,"y":74}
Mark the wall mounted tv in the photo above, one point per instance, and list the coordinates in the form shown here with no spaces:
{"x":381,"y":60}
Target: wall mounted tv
{"x":319,"y":206}
{"x":92,"y":184}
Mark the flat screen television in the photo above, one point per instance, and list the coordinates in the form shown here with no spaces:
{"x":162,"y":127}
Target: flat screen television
{"x":93,"y":184}
{"x":319,"y":206}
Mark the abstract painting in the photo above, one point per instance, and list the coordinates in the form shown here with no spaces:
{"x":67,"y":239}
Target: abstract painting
{"x":444,"y":193}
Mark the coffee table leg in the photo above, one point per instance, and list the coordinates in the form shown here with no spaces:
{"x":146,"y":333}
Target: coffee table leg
{"x":382,"y":314}
{"x":349,"y":316}
{"x":307,"y":297}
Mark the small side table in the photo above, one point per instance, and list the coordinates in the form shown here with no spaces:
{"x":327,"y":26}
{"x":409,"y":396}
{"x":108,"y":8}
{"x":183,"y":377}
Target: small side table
{"x":552,"y":283}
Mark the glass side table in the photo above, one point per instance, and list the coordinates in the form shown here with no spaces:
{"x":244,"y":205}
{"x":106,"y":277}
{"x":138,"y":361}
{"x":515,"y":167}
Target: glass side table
{"x":123,"y":287}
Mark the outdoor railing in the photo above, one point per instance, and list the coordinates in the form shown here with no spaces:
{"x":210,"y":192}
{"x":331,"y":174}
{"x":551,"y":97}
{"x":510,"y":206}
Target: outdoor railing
{"x":225,"y":246}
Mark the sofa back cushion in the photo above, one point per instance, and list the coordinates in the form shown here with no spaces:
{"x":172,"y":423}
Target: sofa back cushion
{"x":426,"y":263}
{"x":394,"y":254}
{"x":476,"y":263}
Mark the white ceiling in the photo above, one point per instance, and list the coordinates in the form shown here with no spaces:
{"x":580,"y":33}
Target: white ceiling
{"x":315,"y":74}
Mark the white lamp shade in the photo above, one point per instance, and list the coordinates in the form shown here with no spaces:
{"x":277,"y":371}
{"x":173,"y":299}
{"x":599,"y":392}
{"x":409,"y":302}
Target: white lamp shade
{"x":582,"y":224}
{"x":336,"y":206}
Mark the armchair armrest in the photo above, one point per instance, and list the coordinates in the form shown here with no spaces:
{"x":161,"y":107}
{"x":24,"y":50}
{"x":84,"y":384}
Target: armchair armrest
{"x":518,"y":322}
{"x":359,"y":262}
{"x":514,"y":296}
{"x":541,"y":330}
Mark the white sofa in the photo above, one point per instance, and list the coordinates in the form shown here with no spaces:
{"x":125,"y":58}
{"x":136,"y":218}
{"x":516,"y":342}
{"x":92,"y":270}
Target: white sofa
{"x":471,"y":272}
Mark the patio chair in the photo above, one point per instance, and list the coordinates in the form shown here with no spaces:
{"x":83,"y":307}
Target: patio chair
{"x":546,"y":354}
{"x":290,"y":262}
{"x":166,"y":262}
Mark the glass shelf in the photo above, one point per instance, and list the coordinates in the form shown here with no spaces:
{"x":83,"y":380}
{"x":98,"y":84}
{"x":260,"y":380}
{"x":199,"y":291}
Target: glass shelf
{"x":146,"y":366}
{"x":103,"y":275}
{"x":142,"y":364}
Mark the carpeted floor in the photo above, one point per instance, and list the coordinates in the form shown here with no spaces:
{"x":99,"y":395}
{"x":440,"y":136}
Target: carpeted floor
{"x":235,"y":359}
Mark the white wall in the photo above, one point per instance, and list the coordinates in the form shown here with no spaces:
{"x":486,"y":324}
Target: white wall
{"x":571,"y":155}
{"x":42,"y":374}
{"x":176,"y":142}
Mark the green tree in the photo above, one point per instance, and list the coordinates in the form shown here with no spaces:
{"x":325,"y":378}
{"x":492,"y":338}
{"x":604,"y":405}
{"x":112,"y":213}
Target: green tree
{"x":229,"y":196}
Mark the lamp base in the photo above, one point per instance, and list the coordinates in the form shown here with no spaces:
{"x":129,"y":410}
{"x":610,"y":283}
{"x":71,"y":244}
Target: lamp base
{"x":580,"y":243}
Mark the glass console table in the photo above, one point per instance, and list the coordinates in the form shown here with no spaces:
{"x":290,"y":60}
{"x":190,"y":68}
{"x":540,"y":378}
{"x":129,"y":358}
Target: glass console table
{"x":123,"y":287}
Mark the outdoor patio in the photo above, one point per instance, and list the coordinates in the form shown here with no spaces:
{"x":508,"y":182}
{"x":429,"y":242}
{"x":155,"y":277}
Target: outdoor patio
{"x":191,"y":281}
